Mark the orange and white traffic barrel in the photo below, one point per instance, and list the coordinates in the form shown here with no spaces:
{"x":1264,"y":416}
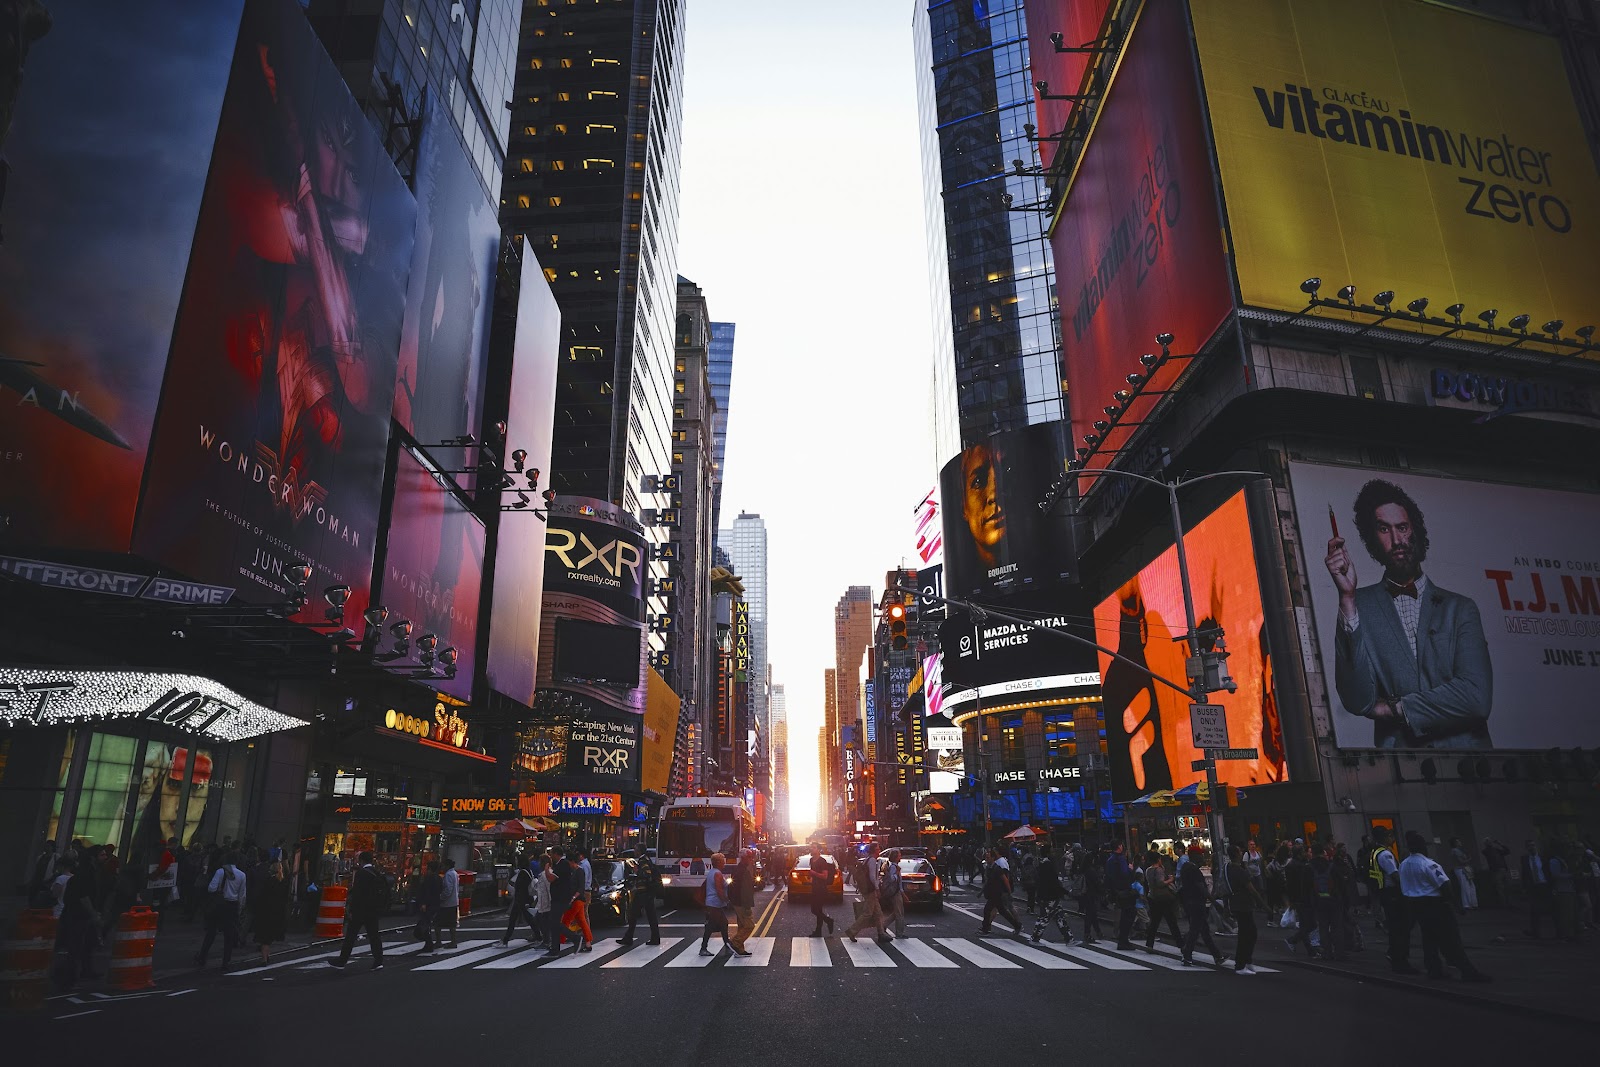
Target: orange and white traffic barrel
{"x":465,"y":878}
{"x":25,"y":959}
{"x":133,"y":949}
{"x":330,"y":912}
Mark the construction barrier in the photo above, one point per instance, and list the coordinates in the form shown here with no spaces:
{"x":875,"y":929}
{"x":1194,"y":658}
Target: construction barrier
{"x":133,"y":949}
{"x":25,"y":959}
{"x":330,"y":912}
{"x":465,"y":897}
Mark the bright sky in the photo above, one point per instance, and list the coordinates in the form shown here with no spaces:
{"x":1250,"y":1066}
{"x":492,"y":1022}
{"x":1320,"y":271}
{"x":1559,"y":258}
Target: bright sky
{"x":802,"y":222}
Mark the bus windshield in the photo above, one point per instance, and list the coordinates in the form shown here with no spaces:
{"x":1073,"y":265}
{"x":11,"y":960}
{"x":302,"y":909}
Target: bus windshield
{"x":699,"y":836}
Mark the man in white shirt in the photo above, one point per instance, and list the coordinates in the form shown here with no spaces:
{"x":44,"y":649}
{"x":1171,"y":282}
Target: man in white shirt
{"x":1423,"y":881}
{"x":449,"y":903}
{"x":227,"y":888}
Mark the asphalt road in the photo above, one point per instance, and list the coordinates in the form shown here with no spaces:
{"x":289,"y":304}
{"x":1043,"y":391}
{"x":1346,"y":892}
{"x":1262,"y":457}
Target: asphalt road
{"x":941,"y":993}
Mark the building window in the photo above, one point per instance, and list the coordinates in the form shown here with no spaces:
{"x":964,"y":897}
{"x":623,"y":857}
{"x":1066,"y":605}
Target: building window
{"x":524,"y":201}
{"x":527,"y":165}
{"x":554,"y":201}
{"x":599,"y":164}
{"x":680,"y":388}
{"x":599,"y":127}
{"x":586,"y":354}
{"x":1011,"y":752}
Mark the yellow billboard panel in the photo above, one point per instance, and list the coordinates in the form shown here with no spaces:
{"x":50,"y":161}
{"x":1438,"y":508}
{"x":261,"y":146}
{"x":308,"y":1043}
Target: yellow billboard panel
{"x":661,"y":708}
{"x":1398,"y":144}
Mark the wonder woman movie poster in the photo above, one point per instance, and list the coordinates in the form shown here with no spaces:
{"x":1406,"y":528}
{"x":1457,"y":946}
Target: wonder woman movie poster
{"x":433,"y":569}
{"x":269,"y":448}
{"x":1147,"y":724}
{"x":442,"y":345}
{"x":108,"y":113}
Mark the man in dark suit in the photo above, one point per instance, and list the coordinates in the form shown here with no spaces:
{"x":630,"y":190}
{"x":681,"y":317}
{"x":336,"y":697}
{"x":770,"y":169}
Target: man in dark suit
{"x":1409,"y":655}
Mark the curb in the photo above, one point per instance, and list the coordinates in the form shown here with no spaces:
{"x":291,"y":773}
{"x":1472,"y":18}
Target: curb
{"x":1440,"y":992}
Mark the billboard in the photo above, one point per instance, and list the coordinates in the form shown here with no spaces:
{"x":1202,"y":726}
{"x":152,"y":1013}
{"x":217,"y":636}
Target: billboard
{"x":99,"y":189}
{"x":929,"y":530}
{"x":594,"y":571}
{"x":1400,"y":145}
{"x":1000,"y":663}
{"x":1138,"y":243}
{"x":661,"y":708}
{"x":1147,"y":725}
{"x":439,"y":393}
{"x":433,"y":569}
{"x":519,"y":566}
{"x":270,"y":444}
{"x":1078,"y":22}
{"x":1472,"y":615}
{"x":996,"y":540}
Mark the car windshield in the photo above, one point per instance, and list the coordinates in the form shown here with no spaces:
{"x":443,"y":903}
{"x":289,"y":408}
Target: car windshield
{"x":804,"y":862}
{"x":698,"y":837}
{"x":606,"y":871}
{"x":915,"y":866}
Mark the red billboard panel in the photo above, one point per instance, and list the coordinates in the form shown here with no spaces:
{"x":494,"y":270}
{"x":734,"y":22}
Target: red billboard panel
{"x":1149,"y":739}
{"x":1078,"y":22}
{"x":1138,"y":247}
{"x":433,"y":568}
{"x":446,"y":332}
{"x":99,"y":189}
{"x":270,"y":444}
{"x":519,"y":553}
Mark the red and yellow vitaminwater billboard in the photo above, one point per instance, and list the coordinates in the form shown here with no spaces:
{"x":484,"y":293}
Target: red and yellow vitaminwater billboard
{"x":1396,"y":144}
{"x":1138,"y":244}
{"x":1148,"y":738}
{"x":1078,"y":22}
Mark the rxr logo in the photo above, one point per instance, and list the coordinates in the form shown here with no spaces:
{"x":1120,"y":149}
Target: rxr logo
{"x":601,"y":759}
{"x":613,"y":556}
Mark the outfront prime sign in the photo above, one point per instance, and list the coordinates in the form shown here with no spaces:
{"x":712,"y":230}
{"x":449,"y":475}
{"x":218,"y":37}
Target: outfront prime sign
{"x":32,"y":696}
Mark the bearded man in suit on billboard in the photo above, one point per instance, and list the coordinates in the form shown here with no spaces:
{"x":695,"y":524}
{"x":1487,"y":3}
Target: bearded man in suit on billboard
{"x":1409,"y":655}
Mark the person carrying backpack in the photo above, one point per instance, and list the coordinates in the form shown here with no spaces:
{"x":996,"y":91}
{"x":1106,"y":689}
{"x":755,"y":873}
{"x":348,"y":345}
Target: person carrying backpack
{"x":866,"y":880}
{"x":891,"y":895}
{"x":997,"y":895}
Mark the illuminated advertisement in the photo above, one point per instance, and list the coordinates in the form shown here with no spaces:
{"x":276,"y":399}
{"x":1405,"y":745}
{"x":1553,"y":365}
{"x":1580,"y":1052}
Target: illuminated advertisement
{"x":433,"y":568}
{"x":519,"y":567}
{"x":1138,"y":244}
{"x":100,"y":185}
{"x":41,"y":696}
{"x":1078,"y":22}
{"x":270,"y":444}
{"x":928,"y":530}
{"x":661,"y":708}
{"x":439,"y":394}
{"x":996,"y":540}
{"x":998,"y":663}
{"x":1452,"y":614}
{"x":1147,"y":724}
{"x":1400,"y":145}
{"x":594,"y":559}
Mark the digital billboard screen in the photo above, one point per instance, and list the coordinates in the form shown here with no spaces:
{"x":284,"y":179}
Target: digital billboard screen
{"x":1148,"y":740}
{"x":444,"y":339}
{"x":273,"y":431}
{"x":597,"y":652}
{"x":99,"y":189}
{"x":1400,"y":145}
{"x":433,"y":567}
{"x":996,"y":540}
{"x":996,"y":662}
{"x":1138,"y":244}
{"x":519,"y":567}
{"x":1452,"y":614}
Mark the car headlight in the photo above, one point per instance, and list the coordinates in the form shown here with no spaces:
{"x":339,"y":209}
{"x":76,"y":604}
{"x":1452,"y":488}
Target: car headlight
{"x":615,"y":894}
{"x":666,"y":879}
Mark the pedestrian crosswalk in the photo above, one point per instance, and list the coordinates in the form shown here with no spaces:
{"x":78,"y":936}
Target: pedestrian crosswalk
{"x":683,"y":953}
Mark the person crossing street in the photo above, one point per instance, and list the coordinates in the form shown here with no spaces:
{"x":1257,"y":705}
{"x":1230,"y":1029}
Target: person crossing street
{"x":743,"y":897}
{"x":647,"y":886}
{"x":865,"y":879}
{"x":997,"y":895}
{"x":1195,"y":897}
{"x":361,"y":912}
{"x":822,"y":872}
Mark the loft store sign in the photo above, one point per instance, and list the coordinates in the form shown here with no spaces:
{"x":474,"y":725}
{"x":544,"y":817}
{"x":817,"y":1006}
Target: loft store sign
{"x":186,"y":702}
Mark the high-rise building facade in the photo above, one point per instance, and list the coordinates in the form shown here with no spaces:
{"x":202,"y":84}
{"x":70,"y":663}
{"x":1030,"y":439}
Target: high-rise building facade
{"x":852,"y":634}
{"x":778,"y":712}
{"x":830,"y":802}
{"x":746,"y":544}
{"x":592,"y":181}
{"x":997,"y":351}
{"x":721,"y":367}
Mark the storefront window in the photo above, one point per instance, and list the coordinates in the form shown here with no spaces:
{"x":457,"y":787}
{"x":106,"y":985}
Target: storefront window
{"x":1011,"y":751}
{"x":102,"y":802}
{"x":1060,"y":738}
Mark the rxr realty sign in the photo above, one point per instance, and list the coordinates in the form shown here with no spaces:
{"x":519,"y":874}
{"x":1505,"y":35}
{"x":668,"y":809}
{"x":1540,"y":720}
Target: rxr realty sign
{"x":603,"y":747}
{"x":185,"y":702}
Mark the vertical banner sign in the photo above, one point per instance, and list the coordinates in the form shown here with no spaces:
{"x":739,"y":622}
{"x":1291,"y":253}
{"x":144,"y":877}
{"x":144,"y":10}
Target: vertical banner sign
{"x":741,"y":638}
{"x":274,"y":424}
{"x":107,"y":119}
{"x":1400,"y":145}
{"x":870,"y":700}
{"x":929,"y":531}
{"x":1138,"y":244}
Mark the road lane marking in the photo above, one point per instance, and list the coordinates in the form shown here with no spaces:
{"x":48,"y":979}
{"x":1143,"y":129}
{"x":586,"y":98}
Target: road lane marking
{"x":967,"y":950}
{"x":643,"y":954}
{"x":760,"y":949}
{"x":532,"y":954}
{"x":809,"y":952}
{"x":691,"y":957}
{"x":602,"y":948}
{"x":1029,"y":954}
{"x":921,"y":954}
{"x":466,"y":959}
{"x":1099,"y":959}
{"x":867,"y":954}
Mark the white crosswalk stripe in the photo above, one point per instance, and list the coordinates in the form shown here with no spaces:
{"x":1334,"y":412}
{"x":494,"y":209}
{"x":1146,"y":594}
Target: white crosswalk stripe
{"x":921,"y":954}
{"x":693,"y":957}
{"x":532,"y":954}
{"x":1028,"y":954}
{"x":1099,"y":959}
{"x":644,"y":954}
{"x":760,"y":949}
{"x":466,"y":959}
{"x":573,"y":960}
{"x":867,"y":954}
{"x":809,"y":952}
{"x":968,"y":950}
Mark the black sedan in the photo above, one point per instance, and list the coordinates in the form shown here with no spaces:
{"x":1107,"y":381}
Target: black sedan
{"x":921,"y":883}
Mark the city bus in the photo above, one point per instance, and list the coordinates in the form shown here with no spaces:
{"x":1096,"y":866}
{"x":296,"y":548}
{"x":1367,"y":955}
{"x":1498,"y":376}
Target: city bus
{"x":690,"y":831}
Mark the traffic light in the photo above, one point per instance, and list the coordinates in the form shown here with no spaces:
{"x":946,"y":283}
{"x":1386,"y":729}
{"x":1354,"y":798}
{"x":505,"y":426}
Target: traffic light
{"x":897,"y":627}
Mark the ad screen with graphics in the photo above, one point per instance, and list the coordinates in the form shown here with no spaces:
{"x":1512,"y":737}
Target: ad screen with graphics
{"x":1147,"y":725}
{"x":996,"y":540}
{"x":1400,"y":145}
{"x":1462,"y":615}
{"x":1001,"y":662}
{"x":433,"y":569}
{"x":99,"y":189}
{"x":1138,"y":246}
{"x":1078,"y":22}
{"x":269,"y":448}
{"x":519,"y":558}
{"x":439,"y":395}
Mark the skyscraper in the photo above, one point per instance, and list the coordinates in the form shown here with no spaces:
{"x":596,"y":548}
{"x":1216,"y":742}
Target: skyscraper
{"x":746,"y":545}
{"x":778,"y":708}
{"x":592,"y":180}
{"x":720,"y":367}
{"x":997,"y":349}
{"x":852,"y":634}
